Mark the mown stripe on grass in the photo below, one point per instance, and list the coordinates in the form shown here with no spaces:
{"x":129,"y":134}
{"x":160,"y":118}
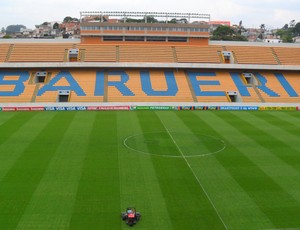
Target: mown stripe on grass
{"x":291,"y":117}
{"x":139,"y":185}
{"x":13,"y":146}
{"x":247,"y":169}
{"x":276,"y":135}
{"x":283,"y":162}
{"x":186,"y":202}
{"x":6,"y":116}
{"x":180,"y":127}
{"x":276,"y":139}
{"x":157,"y":136}
{"x":183,"y":155}
{"x":282,"y":120}
{"x":229,"y":198}
{"x":19,"y":184}
{"x":97,"y":202}
{"x":51,"y":205}
{"x":13,"y":124}
{"x":291,"y":114}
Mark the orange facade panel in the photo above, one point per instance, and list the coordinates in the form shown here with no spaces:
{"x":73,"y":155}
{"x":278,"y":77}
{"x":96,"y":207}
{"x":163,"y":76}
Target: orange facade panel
{"x":90,"y":40}
{"x":200,"y":34}
{"x":117,"y":32}
{"x":89,"y":32}
{"x":133,"y":32}
{"x":172,"y":33}
{"x":198,"y":41}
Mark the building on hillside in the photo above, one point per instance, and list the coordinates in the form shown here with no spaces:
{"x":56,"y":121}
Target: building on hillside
{"x":43,"y":29}
{"x":70,"y":28}
{"x":296,"y":39}
{"x":26,"y":33}
{"x":57,"y":29}
{"x":215,"y":24}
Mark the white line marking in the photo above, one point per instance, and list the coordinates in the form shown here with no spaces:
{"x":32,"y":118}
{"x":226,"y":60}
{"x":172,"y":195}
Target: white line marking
{"x":173,"y":156}
{"x":143,"y":152}
{"x":188,"y":164}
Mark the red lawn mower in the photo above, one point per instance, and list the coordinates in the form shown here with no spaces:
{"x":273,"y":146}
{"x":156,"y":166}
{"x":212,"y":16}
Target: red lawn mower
{"x":131,"y":216}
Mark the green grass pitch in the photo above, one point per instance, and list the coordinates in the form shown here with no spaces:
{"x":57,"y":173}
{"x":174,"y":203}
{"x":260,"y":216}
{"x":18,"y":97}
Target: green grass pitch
{"x":181,"y":169}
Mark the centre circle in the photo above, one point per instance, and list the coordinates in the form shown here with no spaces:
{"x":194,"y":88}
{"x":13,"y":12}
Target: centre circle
{"x":175,"y":144}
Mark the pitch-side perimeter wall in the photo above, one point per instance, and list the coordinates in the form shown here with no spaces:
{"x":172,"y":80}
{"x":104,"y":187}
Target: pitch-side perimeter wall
{"x":9,"y":107}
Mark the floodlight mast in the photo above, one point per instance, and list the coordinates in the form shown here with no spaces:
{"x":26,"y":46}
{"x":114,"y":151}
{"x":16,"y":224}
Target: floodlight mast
{"x":124,"y":14}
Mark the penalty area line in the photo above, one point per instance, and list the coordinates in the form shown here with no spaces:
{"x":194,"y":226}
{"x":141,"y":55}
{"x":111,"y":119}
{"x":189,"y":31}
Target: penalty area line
{"x":194,"y":174}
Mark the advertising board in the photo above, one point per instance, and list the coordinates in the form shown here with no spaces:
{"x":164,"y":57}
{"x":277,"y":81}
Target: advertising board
{"x":292,"y":108}
{"x":94,"y":108}
{"x":238,"y":107}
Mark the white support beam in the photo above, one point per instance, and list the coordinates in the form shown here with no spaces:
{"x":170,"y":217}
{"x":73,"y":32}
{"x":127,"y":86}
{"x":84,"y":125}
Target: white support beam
{"x":165,"y":15}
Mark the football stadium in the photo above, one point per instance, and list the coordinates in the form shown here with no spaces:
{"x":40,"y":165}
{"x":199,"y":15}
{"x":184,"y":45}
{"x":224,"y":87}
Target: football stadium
{"x":151,"y":117}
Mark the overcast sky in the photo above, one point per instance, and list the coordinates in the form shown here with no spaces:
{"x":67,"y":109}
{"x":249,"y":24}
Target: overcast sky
{"x":253,"y":13}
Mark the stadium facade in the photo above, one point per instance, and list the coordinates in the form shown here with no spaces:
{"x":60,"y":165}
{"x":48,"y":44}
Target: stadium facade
{"x":137,"y":62}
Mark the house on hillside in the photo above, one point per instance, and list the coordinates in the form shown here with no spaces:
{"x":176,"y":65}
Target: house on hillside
{"x":296,"y":39}
{"x":70,"y":28}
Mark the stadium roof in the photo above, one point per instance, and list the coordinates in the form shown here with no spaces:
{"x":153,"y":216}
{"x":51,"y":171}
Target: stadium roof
{"x":230,"y":43}
{"x":165,"y":15}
